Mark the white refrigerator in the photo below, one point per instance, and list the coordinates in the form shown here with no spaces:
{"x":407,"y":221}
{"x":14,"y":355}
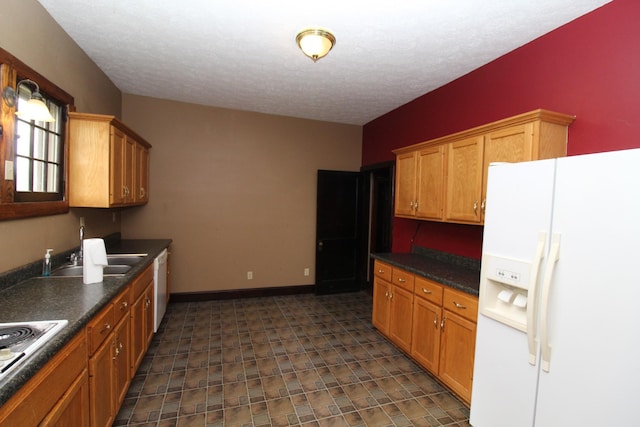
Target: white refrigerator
{"x":558,"y":336}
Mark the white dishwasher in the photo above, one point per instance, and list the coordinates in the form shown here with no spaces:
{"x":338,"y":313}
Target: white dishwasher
{"x":160,"y":287}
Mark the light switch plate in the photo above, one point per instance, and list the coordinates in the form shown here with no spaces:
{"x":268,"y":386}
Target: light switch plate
{"x":8,"y":170}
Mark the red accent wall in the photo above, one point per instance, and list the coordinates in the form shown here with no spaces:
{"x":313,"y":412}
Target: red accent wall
{"x":589,"y":67}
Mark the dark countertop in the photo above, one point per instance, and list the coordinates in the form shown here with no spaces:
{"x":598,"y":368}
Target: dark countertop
{"x":56,"y":298}
{"x":457,"y":272}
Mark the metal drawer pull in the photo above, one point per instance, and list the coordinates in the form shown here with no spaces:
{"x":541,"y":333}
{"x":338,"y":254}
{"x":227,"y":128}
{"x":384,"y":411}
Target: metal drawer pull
{"x":435,"y":321}
{"x":107,"y":326}
{"x":381,"y":271}
{"x":124,"y":305}
{"x":401,"y":280}
{"x":442,"y":324}
{"x":459,"y":305}
{"x":427,"y":291}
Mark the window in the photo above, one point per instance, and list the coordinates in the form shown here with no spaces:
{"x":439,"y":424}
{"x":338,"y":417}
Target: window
{"x":32,"y":153}
{"x":39,"y":154}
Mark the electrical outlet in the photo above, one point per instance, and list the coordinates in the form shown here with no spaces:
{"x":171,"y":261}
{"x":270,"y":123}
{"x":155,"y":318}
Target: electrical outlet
{"x":249,"y":275}
{"x":306,"y":271}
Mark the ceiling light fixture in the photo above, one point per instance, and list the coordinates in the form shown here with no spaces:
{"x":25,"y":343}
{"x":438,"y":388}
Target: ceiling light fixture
{"x":315,"y":42}
{"x":34,"y":109}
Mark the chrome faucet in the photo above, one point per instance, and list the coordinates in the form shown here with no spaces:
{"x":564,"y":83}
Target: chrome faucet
{"x":80,"y":254}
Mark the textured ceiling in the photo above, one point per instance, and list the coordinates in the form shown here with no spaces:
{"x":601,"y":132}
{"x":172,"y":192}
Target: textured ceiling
{"x":242,"y":54}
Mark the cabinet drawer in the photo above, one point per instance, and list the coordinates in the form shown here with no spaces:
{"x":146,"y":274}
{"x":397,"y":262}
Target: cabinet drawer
{"x":431,"y":291}
{"x":121,"y":305}
{"x":462,"y":304}
{"x":403,"y":278}
{"x":100,"y":327}
{"x":382,"y":270}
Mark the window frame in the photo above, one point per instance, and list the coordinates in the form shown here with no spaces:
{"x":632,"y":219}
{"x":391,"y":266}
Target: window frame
{"x":10,"y":68}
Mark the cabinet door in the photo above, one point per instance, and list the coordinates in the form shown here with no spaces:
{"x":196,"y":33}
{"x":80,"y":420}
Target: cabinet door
{"x":128,"y":170}
{"x":122,"y":369}
{"x":380,"y":318}
{"x":430,"y":183}
{"x":137,"y":334}
{"x":116,"y":167}
{"x":464,"y":180}
{"x":513,"y":145}
{"x":400,"y":317}
{"x":148,"y":315}
{"x":71,"y":409}
{"x":101,"y":385}
{"x":425,"y":343}
{"x":457,"y":354}
{"x":405,"y":184}
{"x":141,"y":193}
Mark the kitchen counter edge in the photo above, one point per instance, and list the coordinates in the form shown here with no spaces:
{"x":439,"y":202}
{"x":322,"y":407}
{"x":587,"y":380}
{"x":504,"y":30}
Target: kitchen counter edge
{"x":452,"y":274}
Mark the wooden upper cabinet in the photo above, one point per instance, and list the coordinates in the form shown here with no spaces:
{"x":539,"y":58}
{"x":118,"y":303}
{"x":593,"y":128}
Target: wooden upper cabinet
{"x":420,"y":183}
{"x":464,"y":180}
{"x":405,"y":184}
{"x":431,"y":182}
{"x":452,"y":187}
{"x":108,"y":163}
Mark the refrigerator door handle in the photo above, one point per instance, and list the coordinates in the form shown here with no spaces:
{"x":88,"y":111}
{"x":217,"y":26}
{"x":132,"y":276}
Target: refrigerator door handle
{"x":554,"y":255}
{"x":531,"y":306}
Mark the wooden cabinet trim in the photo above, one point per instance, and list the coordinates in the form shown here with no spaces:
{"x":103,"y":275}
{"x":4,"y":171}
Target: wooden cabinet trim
{"x":539,"y":114}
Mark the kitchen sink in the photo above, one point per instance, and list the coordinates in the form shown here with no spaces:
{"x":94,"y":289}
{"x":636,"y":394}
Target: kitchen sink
{"x":119,"y":264}
{"x":76,"y":270}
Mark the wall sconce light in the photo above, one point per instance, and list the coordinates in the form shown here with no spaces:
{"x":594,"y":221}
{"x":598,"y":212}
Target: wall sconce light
{"x":34,"y":109}
{"x":315,"y":42}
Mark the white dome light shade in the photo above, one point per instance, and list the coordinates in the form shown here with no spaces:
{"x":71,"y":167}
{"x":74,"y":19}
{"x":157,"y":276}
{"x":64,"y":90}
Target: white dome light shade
{"x":315,"y":42}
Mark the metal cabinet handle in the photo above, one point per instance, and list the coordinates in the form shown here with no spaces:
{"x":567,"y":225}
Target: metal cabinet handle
{"x":475,"y":208}
{"x":435,"y":321}
{"x":124,"y":306}
{"x":147,"y":303}
{"x":442,"y":324}
{"x":381,"y":271}
{"x":427,"y":291}
{"x":401,"y":280}
{"x":483,"y":205}
{"x":107,"y":326}
{"x":390,"y":295}
{"x":415,"y":206}
{"x":460,"y":306}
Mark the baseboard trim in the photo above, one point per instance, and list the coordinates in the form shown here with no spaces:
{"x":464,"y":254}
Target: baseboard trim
{"x":242,"y":293}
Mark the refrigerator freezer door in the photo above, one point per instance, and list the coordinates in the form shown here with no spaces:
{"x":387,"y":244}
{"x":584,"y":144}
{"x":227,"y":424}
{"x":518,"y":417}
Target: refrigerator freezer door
{"x":518,"y":212}
{"x":594,"y":318}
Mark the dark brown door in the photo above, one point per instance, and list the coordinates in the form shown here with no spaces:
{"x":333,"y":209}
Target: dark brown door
{"x":337,"y":232}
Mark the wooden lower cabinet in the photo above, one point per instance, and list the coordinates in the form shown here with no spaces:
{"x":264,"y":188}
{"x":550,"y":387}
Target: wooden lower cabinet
{"x":101,"y":385}
{"x":434,"y":324}
{"x":457,"y":354}
{"x":141,"y":326}
{"x":71,"y":409}
{"x":400,"y":318}
{"x":55,"y":394}
{"x":425,"y":347}
{"x":392,"y":307}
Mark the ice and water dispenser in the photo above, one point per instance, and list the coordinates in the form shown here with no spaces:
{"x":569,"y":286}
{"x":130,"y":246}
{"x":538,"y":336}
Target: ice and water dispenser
{"x":505,"y":289}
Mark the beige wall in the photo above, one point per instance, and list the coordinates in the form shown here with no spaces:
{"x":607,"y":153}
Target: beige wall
{"x":29,"y":33}
{"x":236,"y":191}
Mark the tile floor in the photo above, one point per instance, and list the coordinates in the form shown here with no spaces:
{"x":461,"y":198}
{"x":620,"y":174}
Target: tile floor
{"x":299,"y":360}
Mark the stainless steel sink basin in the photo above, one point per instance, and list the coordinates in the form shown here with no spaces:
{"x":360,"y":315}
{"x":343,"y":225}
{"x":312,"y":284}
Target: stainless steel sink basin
{"x":125,"y":259}
{"x":76,"y":270}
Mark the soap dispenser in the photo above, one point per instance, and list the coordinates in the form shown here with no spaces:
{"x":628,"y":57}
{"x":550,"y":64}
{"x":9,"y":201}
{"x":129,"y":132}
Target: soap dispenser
{"x":46,"y":264}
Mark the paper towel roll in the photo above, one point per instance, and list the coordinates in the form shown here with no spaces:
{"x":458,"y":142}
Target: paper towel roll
{"x":94,"y":260}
